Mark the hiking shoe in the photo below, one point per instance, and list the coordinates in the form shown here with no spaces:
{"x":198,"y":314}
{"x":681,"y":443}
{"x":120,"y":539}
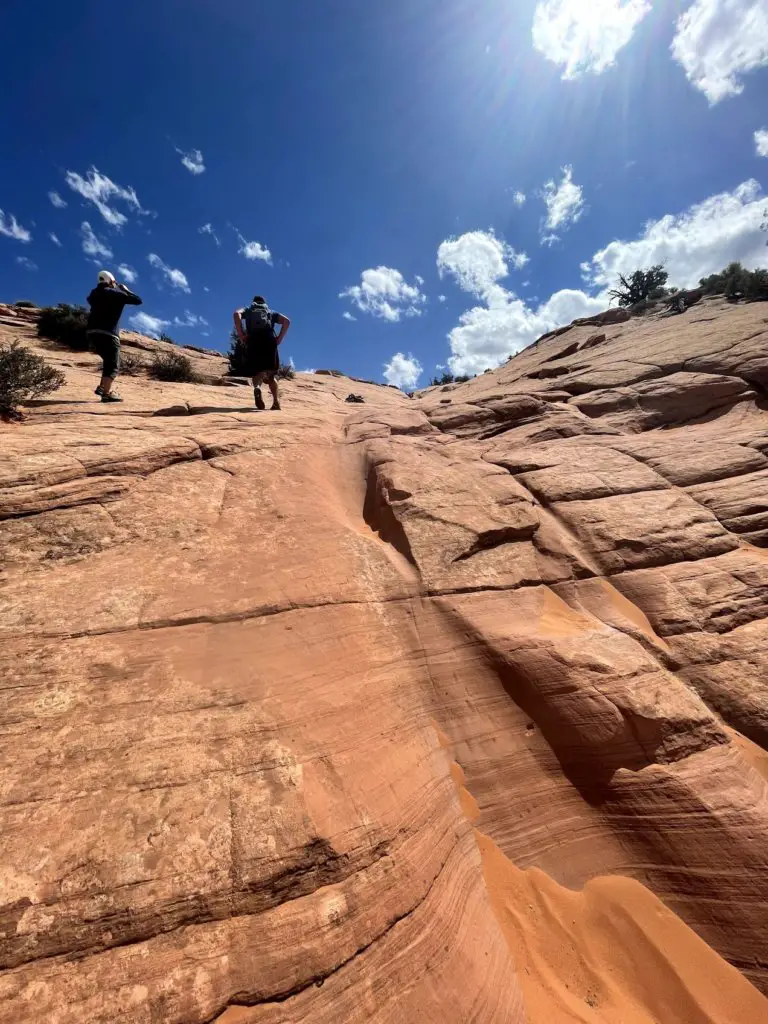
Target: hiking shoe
{"x":110,"y":397}
{"x":257,"y":397}
{"x":275,"y":407}
{"x":98,"y":391}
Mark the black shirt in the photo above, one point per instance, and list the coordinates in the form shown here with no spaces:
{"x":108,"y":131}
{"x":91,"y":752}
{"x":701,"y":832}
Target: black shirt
{"x":107,"y":304}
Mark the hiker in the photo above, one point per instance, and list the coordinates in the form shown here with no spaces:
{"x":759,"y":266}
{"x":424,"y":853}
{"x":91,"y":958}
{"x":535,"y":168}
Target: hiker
{"x":107,"y":301}
{"x":255,"y":327}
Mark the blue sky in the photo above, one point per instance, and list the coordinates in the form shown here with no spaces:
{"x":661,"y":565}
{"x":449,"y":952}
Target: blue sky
{"x":456,"y":176}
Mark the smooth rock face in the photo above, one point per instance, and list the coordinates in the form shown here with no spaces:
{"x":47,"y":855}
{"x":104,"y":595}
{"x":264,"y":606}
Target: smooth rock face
{"x":240,"y":651}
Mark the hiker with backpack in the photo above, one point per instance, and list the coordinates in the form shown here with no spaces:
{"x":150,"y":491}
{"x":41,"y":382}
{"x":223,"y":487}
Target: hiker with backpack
{"x":255,"y":327}
{"x":107,"y":301}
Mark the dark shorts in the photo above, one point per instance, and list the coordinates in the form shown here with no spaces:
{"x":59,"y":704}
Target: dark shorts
{"x":108,"y":347}
{"x":262,"y":356}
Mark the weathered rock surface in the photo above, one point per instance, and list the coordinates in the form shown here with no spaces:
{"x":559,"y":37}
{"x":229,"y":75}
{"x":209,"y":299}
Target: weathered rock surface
{"x":240,"y":651}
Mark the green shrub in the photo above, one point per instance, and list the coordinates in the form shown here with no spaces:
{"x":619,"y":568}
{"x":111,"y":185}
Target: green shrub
{"x":640,"y":286}
{"x":166,"y":338}
{"x":172,"y":366}
{"x":23,"y":376}
{"x":756,"y":287}
{"x":737,"y":282}
{"x":65,"y":324}
{"x":25,"y":304}
{"x":130,"y":364}
{"x":237,"y":356}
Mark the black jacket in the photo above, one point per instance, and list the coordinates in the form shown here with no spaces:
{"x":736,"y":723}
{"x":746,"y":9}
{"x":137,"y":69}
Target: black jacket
{"x":107,"y":305}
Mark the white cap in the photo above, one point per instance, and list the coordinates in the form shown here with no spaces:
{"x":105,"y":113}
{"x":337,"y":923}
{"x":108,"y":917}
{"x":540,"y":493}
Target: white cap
{"x":105,"y":277}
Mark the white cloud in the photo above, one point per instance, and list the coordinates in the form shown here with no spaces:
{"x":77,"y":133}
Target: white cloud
{"x":127,"y":273}
{"x":146,"y":324}
{"x":761,"y":142}
{"x":384,"y":293}
{"x":518,"y":198}
{"x":402,"y":371}
{"x":486,"y":335}
{"x":193,"y":160}
{"x":93,"y":246}
{"x":26,"y":263}
{"x":348,"y":316}
{"x":254,"y":251}
{"x":190,"y":320}
{"x":98,"y":189}
{"x":585,"y":35}
{"x":700,"y":241}
{"x":175,"y":278}
{"x":12,"y":229}
{"x":54,"y":238}
{"x":57,"y":201}
{"x":441,"y":298}
{"x":564,"y":202}
{"x":549,"y":240}
{"x":718,"y":41}
{"x":206,"y":288}
{"x":207,"y":229}
{"x":477,"y":260}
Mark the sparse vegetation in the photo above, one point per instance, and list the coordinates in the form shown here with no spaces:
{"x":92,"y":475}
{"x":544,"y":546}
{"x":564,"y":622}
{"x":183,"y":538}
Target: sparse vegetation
{"x":641,"y":286}
{"x":25,"y":304}
{"x":736,"y":282}
{"x":166,"y":338}
{"x":449,"y":378}
{"x":237,"y":356}
{"x":173,"y":367}
{"x":24,"y":376}
{"x":65,"y":324}
{"x":130,"y":364}
{"x":286,"y":372}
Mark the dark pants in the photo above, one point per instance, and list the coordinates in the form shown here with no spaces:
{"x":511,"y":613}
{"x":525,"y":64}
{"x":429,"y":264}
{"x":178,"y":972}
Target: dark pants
{"x":108,"y":347}
{"x":262,"y":355}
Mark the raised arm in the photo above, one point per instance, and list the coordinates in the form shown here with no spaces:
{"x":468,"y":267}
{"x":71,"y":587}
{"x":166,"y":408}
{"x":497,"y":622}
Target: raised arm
{"x":237,"y":316}
{"x":131,"y":298}
{"x":285,"y":323}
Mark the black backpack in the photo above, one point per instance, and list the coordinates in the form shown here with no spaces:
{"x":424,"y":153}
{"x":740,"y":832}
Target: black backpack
{"x":258,"y":319}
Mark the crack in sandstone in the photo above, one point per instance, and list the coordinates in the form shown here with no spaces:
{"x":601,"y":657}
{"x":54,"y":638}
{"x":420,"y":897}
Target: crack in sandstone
{"x":318,"y":980}
{"x":317,"y":866}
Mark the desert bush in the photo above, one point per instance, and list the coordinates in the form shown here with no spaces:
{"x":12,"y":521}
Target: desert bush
{"x":65,"y":324}
{"x":25,"y":304}
{"x":286,"y":372}
{"x":756,"y":287}
{"x":166,"y":338}
{"x":23,"y":376}
{"x":172,"y":366}
{"x":130,"y":364}
{"x":237,"y":356}
{"x":640,"y":286}
{"x":737,"y":282}
{"x":446,"y":378}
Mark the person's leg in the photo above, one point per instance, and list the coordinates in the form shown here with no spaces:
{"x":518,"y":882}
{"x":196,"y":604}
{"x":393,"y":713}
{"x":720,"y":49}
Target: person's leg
{"x":272,"y":381}
{"x":111,"y":358}
{"x":258,"y":379}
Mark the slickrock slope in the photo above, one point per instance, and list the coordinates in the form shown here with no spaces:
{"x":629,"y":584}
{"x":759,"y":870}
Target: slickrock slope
{"x":246,"y":657}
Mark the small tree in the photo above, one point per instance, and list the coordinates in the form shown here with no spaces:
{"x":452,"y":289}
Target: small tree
{"x":166,"y":337}
{"x":23,"y":376}
{"x":447,"y":378}
{"x":25,"y":304}
{"x":237,"y":356}
{"x":65,"y":324}
{"x":174,"y":367}
{"x":640,"y":286}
